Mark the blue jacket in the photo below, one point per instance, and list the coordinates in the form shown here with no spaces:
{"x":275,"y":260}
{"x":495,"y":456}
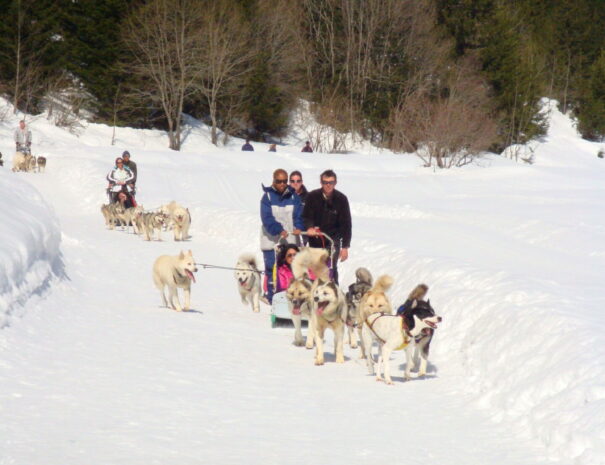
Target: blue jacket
{"x":279,"y":212}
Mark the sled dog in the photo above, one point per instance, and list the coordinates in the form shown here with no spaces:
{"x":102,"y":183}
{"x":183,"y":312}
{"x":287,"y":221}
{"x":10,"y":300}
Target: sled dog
{"x":181,"y":220}
{"x":152,"y":221}
{"x":374,"y":301}
{"x":311,"y":259}
{"x":112,"y":214}
{"x":300,"y":302}
{"x":131,"y":215}
{"x":248,"y":280}
{"x":329,"y":311}
{"x":31,"y":167}
{"x":356,"y":291}
{"x":167,"y":210}
{"x":174,"y":272}
{"x":41,"y":162}
{"x":21,"y":161}
{"x":107,"y":215}
{"x":395,"y":332}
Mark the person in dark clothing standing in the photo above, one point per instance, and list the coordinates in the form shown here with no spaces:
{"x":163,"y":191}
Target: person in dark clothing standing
{"x":132,"y":166}
{"x":307,"y":148}
{"x":128,"y":163}
{"x":327,"y":210}
{"x":247,"y":147}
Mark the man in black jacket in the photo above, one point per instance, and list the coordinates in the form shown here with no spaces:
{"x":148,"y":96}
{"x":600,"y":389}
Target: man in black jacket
{"x":327,"y":210}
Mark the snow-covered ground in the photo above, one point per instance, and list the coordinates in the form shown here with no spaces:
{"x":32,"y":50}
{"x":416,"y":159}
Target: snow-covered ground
{"x":93,"y":371}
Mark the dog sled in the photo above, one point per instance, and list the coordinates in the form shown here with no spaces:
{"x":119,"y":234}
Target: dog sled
{"x":280,"y":313}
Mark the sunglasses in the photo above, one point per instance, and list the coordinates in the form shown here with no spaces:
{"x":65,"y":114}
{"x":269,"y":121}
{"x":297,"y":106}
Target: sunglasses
{"x":291,"y":255}
{"x":328,"y":183}
{"x":280,"y":181}
{"x":295,"y":181}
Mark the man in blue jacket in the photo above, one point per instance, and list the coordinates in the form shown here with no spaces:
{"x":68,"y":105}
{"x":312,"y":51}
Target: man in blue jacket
{"x":281,"y":216}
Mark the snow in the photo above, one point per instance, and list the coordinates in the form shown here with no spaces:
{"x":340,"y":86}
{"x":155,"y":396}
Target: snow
{"x":94,"y":371}
{"x":29,"y":249}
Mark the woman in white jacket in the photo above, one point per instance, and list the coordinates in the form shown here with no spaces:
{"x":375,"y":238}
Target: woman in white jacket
{"x":120,"y":178}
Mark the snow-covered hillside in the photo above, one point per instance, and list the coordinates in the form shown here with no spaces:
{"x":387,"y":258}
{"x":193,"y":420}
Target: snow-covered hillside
{"x":94,"y":371}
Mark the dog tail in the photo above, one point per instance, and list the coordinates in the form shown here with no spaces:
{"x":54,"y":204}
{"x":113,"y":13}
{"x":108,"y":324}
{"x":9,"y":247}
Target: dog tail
{"x":383,"y":283}
{"x":363,"y":275}
{"x":315,"y":260}
{"x":419,"y":292}
{"x":248,"y":258}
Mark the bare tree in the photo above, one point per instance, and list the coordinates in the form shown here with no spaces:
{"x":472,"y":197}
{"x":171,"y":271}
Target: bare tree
{"x":163,"y":38}
{"x":370,"y":51}
{"x":225,"y":56}
{"x":448,"y":127}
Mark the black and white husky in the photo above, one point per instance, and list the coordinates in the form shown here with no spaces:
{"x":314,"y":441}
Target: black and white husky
{"x":395,"y":332}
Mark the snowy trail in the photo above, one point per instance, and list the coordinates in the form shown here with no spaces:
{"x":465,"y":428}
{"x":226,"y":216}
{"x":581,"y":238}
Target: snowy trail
{"x":93,"y":371}
{"x":101,"y":374}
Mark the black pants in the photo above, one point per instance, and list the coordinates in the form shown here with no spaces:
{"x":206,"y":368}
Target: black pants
{"x":317,"y":243}
{"x":335,"y":263}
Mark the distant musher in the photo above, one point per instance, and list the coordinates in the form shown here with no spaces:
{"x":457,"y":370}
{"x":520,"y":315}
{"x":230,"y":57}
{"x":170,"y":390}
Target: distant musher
{"x":23,"y":142}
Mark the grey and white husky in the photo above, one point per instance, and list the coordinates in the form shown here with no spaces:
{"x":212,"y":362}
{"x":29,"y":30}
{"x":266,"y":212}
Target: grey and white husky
{"x":356,"y":291}
{"x":248,"y":280}
{"x":153,"y":221}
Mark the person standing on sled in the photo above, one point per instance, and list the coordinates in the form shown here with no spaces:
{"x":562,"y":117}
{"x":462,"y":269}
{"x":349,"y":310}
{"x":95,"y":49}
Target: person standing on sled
{"x":327,"y":210}
{"x":281,"y":217}
{"x":132,"y":166}
{"x":23,"y":139}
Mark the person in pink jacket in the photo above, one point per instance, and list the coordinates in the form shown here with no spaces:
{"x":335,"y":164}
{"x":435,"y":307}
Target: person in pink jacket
{"x":284,"y":267}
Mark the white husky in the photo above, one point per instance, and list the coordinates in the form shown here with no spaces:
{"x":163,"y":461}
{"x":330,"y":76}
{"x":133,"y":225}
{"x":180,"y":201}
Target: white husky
{"x":181,"y":220}
{"x":248,"y":280}
{"x":313,"y":259}
{"x":174,"y":272}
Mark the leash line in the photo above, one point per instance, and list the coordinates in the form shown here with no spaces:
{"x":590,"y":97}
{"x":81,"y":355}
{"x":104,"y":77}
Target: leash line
{"x":208,"y":265}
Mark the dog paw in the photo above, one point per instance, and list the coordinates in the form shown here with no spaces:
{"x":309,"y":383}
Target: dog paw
{"x":379,"y":378}
{"x":389,"y":381}
{"x":353,"y":346}
{"x":340,"y":359}
{"x":319,"y":362}
{"x":309,"y":346}
{"x":298,"y":343}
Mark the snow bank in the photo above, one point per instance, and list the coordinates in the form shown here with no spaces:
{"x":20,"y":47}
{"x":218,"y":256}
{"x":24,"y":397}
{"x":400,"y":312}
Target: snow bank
{"x":29,"y":249}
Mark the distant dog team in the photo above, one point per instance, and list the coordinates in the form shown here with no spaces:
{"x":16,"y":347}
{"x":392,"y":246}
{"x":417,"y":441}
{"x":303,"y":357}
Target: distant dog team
{"x":149,"y":224}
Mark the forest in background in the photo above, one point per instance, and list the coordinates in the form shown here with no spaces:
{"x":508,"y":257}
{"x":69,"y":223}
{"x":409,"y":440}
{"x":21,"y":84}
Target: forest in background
{"x":452,"y":76}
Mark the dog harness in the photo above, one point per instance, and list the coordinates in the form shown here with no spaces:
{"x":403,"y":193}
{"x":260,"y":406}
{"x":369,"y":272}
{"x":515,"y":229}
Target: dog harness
{"x":407,"y":338}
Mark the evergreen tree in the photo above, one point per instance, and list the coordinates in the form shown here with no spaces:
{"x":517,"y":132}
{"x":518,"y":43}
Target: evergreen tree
{"x":591,"y":113}
{"x":94,"y":49}
{"x":31,"y":50}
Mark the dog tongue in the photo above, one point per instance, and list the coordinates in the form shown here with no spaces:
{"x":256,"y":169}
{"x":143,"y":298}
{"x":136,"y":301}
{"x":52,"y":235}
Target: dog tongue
{"x":190,"y":274}
{"x":321,"y":307}
{"x":296,"y":310}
